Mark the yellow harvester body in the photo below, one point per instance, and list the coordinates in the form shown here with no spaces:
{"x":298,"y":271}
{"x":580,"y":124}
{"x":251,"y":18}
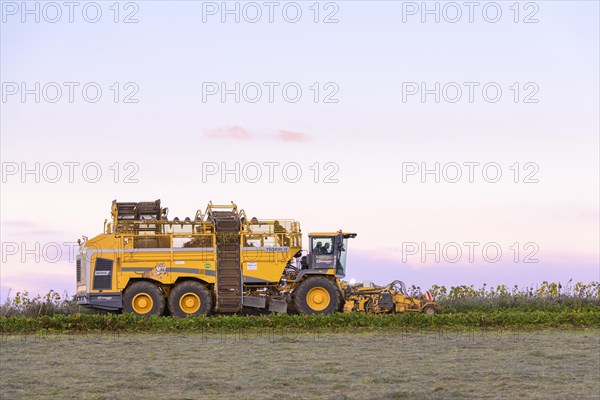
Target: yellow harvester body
{"x":219,"y":261}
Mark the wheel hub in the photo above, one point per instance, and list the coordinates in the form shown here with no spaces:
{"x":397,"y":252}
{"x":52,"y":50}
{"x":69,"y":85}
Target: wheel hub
{"x":142,"y":303}
{"x":190,"y":303}
{"x":318,"y":298}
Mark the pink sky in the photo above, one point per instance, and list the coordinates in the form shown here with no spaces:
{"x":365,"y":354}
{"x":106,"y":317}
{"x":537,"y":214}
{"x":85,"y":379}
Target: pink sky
{"x":339,"y":151}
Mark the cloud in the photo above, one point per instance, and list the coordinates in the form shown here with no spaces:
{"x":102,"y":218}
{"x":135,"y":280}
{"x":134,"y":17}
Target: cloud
{"x":234,"y":132}
{"x":289,"y":136}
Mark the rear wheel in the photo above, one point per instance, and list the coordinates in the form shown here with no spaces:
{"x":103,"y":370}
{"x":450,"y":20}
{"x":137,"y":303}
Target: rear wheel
{"x":429,"y":310}
{"x":317,"y":295}
{"x":190,"y":298}
{"x":144,"y":298}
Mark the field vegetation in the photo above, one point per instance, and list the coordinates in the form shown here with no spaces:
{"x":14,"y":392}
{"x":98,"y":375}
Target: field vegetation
{"x":545,"y":306}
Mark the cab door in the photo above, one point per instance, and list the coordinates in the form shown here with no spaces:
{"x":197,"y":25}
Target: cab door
{"x":321,"y":253}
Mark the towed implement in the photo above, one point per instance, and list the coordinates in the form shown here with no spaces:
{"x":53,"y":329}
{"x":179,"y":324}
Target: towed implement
{"x":222,"y":261}
{"x":388,"y":299}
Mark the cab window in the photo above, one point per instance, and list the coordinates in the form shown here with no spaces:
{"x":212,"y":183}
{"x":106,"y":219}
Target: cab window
{"x":322,"y":245}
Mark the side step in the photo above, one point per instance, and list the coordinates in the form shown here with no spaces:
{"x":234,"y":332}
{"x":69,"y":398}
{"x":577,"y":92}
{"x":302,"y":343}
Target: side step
{"x":255,"y":301}
{"x":274,"y":305}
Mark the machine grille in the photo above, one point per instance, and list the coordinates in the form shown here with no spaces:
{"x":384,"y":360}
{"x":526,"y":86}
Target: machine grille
{"x":103,"y":274}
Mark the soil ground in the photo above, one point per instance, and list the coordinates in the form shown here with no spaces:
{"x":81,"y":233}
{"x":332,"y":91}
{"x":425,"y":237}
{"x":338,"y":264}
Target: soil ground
{"x":476,"y":364}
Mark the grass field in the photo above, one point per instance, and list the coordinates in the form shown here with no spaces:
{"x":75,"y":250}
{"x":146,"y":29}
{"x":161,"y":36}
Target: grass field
{"x":305,"y":364}
{"x":484,"y":344}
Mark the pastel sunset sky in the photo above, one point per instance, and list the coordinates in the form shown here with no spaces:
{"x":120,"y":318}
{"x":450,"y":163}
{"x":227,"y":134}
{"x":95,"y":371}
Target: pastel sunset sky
{"x":357,"y":121}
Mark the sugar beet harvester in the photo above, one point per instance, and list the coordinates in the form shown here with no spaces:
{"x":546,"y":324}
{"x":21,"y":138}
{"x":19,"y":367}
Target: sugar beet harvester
{"x":221,"y":261}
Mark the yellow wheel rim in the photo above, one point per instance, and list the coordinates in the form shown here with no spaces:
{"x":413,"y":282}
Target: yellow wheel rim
{"x":142,"y":303}
{"x":190,"y":303}
{"x":318,"y":298}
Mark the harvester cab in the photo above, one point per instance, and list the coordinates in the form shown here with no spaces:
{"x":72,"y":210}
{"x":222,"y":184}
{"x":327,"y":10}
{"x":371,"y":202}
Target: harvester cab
{"x":328,"y":250}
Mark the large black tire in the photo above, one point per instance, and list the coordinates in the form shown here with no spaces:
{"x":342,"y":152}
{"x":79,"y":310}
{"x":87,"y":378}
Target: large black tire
{"x":190,"y":298}
{"x":144,"y":298}
{"x":317,"y":295}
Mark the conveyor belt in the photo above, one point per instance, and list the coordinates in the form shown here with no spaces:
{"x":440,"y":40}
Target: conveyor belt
{"x":229,"y":273}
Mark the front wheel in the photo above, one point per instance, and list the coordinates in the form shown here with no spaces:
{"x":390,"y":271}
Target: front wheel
{"x":317,"y":295}
{"x":144,"y":298}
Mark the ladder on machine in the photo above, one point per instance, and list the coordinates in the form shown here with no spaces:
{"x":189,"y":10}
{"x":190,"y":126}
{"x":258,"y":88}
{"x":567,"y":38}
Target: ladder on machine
{"x":229,"y":272}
